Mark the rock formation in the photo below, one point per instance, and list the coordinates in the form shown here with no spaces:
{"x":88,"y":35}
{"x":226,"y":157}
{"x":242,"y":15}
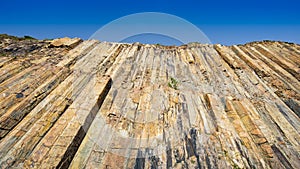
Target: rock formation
{"x":69,"y":103}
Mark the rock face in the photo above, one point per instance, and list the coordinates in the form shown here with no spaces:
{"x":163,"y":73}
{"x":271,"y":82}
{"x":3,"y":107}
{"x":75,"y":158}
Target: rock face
{"x":114,"y":105}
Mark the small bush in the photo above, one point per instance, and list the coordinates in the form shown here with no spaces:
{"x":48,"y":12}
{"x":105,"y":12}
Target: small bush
{"x":29,"y":38}
{"x":173,"y":83}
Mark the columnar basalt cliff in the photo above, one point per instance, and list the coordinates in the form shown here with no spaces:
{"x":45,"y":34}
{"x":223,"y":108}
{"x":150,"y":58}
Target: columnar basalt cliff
{"x":68,"y":103}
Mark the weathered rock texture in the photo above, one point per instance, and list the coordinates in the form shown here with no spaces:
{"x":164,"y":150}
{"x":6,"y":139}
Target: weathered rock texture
{"x":113,"y":105}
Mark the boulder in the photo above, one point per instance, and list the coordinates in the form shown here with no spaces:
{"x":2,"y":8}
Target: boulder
{"x":65,"y":42}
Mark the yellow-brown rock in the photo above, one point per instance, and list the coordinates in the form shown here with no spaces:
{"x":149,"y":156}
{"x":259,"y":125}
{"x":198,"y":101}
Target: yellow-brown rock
{"x":70,"y":103}
{"x":65,"y":42}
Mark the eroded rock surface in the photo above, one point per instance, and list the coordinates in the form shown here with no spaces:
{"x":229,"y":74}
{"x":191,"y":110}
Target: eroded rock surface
{"x":65,"y":42}
{"x":113,"y":105}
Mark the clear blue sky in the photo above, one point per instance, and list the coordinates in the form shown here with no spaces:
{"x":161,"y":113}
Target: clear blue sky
{"x":226,"y":22}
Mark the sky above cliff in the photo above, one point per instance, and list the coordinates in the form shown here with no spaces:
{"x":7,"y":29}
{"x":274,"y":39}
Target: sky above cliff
{"x":225,"y":22}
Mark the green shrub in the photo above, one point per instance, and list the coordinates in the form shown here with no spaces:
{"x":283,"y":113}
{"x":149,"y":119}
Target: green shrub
{"x":28,"y":38}
{"x":173,"y":83}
